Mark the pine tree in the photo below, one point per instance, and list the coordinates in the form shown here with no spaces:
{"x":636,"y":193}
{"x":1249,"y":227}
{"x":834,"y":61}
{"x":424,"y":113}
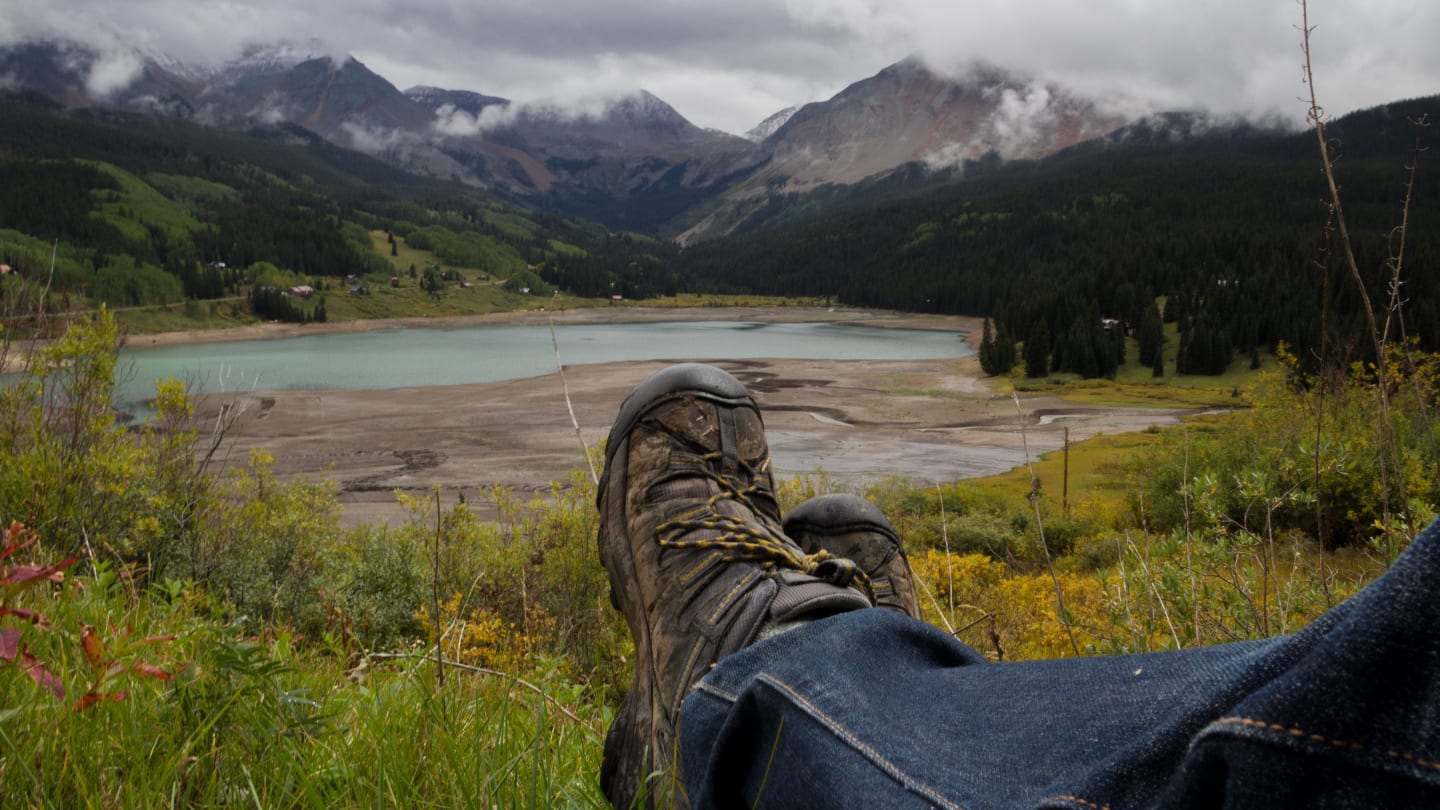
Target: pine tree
{"x":1151,"y":335}
{"x":991,"y":359}
{"x":1037,"y":351}
{"x":1004,"y":349}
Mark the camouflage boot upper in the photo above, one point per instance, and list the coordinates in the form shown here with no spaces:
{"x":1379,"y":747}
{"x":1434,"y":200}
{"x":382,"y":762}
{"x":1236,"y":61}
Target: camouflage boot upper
{"x":851,"y":527}
{"x":690,"y":537}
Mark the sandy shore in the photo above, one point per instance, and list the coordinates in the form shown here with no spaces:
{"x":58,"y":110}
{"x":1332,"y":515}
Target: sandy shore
{"x":855,"y":421}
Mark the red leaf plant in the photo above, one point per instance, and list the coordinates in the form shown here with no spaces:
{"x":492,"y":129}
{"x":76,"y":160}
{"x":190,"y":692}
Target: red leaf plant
{"x":108,"y":661}
{"x":13,"y":580}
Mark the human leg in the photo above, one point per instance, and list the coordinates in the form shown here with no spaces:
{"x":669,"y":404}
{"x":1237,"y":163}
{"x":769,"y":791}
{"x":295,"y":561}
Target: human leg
{"x":690,"y":537}
{"x":872,"y":709}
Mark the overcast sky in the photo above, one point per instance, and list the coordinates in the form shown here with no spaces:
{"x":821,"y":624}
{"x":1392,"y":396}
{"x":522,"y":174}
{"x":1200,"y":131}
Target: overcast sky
{"x":730,"y":63}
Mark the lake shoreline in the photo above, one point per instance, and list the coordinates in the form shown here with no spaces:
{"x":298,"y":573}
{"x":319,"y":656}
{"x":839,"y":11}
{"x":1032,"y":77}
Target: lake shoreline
{"x":888,"y":319}
{"x":848,"y":423}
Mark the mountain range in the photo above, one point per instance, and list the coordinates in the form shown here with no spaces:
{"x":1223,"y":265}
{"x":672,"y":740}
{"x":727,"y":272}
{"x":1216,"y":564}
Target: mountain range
{"x":631,"y":163}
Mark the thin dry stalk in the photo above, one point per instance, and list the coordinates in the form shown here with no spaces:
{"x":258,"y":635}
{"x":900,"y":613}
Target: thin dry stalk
{"x":594,"y":732}
{"x":435,"y":592}
{"x":939,"y":609}
{"x":1390,"y":467}
{"x":945,"y":536}
{"x":560,"y":367}
{"x":1062,"y":614}
{"x":1155,"y":592}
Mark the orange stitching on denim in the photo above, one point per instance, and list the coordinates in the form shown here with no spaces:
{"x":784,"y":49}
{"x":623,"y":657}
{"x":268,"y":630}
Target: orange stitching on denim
{"x":1080,"y":801}
{"x":1353,"y":746}
{"x":872,"y":754}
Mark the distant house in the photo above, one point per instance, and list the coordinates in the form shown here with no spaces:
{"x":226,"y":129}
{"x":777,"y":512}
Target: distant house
{"x":302,"y":290}
{"x":394,"y":281}
{"x":616,"y":298}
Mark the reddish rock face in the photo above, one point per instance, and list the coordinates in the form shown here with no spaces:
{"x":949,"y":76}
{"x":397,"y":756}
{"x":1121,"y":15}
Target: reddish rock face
{"x":907,"y":113}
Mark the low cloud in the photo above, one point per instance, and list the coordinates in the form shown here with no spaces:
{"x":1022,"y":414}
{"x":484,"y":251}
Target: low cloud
{"x":374,"y":140}
{"x":112,"y":71}
{"x":1022,"y":118}
{"x":453,"y":122}
{"x":730,"y":65}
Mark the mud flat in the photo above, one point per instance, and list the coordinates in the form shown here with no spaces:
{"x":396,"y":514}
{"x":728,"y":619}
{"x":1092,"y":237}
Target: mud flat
{"x":854,"y":420}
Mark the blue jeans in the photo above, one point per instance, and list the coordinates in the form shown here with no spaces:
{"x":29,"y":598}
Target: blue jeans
{"x":872,"y":709}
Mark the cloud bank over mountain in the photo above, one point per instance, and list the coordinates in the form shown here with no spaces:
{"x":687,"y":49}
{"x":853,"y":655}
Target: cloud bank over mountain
{"x":731,"y":65}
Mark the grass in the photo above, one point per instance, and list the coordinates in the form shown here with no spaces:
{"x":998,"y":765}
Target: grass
{"x":404,"y":256}
{"x":174,"y":317}
{"x":1099,"y":468}
{"x":693,"y":300}
{"x":297,"y":731}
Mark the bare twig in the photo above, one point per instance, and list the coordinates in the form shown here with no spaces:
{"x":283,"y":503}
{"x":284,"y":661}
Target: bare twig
{"x":1389,"y":450}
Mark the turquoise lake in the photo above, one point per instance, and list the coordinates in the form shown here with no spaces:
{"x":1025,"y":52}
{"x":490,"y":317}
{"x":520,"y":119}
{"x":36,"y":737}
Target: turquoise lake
{"x":402,"y":358}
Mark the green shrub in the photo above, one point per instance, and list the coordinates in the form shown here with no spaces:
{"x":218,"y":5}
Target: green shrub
{"x":1306,"y":456}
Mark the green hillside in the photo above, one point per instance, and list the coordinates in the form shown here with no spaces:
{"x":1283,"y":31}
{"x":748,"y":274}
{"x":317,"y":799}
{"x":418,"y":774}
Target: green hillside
{"x":165,"y":219}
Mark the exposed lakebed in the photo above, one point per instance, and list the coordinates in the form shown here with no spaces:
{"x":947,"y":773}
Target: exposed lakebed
{"x":418,"y":357}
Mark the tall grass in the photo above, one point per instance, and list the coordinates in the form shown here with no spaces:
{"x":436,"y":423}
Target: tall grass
{"x":218,"y":717}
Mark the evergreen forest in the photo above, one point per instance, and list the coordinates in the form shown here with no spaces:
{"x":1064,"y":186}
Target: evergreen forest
{"x":1229,"y":231}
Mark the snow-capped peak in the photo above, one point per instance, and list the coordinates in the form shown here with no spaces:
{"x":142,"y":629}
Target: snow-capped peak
{"x":769,"y":126}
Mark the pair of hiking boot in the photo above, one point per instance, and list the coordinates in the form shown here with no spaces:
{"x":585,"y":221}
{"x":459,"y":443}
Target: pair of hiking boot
{"x":701,"y":563}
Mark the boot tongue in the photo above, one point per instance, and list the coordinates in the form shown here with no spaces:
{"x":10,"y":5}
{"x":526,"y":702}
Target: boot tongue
{"x":805,"y":597}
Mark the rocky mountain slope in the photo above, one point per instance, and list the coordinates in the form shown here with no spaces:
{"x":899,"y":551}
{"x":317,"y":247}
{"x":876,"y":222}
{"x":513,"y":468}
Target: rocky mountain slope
{"x":633,"y":162}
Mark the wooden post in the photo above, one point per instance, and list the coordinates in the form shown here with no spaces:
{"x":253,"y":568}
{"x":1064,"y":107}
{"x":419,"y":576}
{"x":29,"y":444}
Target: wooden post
{"x":1065,"y":483}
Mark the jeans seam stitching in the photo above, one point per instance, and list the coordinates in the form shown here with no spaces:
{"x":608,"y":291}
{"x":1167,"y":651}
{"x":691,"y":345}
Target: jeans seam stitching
{"x":1353,"y":746}
{"x":869,"y":753}
{"x":1078,"y":800}
{"x":717,"y":692}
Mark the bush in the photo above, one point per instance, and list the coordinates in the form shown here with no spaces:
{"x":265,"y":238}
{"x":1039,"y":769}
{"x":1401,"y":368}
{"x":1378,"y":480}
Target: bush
{"x":83,"y":484}
{"x":528,"y":589}
{"x":1306,"y":456}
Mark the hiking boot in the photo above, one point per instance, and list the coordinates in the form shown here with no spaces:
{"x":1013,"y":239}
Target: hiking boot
{"x":851,"y":527}
{"x":690,"y":537}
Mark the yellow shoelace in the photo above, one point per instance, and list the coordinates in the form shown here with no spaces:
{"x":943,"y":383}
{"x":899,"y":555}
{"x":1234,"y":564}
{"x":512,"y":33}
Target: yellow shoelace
{"x":750,"y":540}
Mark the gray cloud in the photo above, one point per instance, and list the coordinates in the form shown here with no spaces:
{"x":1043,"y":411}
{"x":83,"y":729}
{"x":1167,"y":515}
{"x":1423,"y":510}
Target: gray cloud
{"x":729,"y":65}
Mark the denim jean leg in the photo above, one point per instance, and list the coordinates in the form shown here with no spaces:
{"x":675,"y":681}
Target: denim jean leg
{"x":873,"y":709}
